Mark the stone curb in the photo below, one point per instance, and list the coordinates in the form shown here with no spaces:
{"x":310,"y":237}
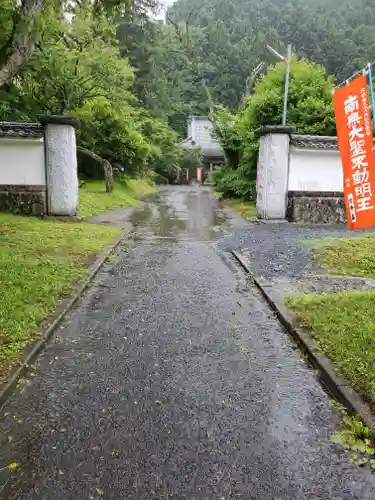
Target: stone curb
{"x":31,"y":352}
{"x":336,"y":385}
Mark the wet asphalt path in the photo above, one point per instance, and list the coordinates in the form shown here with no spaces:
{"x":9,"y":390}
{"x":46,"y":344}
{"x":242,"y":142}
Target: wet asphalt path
{"x":173,"y":380}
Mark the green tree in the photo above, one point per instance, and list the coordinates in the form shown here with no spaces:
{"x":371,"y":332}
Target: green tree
{"x":166,"y":82}
{"x":24,"y":22}
{"x":226,"y":132}
{"x":76,"y":62}
{"x":113,"y":133}
{"x":165,"y":152}
{"x":310,"y":110}
{"x":191,"y":159}
{"x":310,"y":107}
{"x":77,"y":69}
{"x":338,"y":34}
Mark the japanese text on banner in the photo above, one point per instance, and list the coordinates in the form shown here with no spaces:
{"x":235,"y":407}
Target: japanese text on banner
{"x":354,"y":132}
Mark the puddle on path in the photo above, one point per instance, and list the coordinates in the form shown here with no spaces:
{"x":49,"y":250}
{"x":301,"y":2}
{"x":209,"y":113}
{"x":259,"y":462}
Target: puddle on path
{"x":178,"y":212}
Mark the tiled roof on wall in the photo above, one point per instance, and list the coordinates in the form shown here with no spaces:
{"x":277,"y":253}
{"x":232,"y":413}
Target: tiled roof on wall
{"x":23,"y":130}
{"x":314,"y":142}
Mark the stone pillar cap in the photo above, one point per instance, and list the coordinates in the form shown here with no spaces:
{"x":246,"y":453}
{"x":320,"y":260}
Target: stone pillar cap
{"x":59,"y":120}
{"x":277,"y":129}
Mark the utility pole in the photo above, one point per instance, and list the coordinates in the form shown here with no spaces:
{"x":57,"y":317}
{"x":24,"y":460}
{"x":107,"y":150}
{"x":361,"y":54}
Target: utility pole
{"x":287,"y":61}
{"x":286,"y":89}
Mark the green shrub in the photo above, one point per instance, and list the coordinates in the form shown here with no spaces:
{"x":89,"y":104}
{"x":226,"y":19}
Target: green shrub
{"x":114,"y":135}
{"x":231,"y":183}
{"x":310,"y":110}
{"x":225,"y":131}
{"x":310,"y":107}
{"x":191,"y":159}
{"x":165,"y":153}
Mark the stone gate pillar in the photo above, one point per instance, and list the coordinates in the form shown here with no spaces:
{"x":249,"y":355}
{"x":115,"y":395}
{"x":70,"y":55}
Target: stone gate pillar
{"x":61,"y":165}
{"x":272,"y":172}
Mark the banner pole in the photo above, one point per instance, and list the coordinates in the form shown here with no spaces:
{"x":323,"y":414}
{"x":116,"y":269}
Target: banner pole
{"x":372,"y":99}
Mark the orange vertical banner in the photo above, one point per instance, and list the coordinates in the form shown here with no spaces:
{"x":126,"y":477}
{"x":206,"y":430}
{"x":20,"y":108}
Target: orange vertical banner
{"x":199,"y":175}
{"x":356,"y":143}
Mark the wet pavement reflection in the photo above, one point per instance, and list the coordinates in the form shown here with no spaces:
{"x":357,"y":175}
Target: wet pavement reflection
{"x":191,"y":212}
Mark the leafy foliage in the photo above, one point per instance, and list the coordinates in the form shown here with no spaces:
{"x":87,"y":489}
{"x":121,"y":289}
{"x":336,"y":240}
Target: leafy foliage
{"x":114,"y":135}
{"x":165,"y":153}
{"x":79,"y":62}
{"x":355,"y":436}
{"x":7,"y":9}
{"x":231,"y":183}
{"x":309,"y":110}
{"x":338,"y":34}
{"x":23,"y":23}
{"x":230,"y":45}
{"x":310,"y":107}
{"x":191,"y":160}
{"x":225,"y":130}
{"x":309,"y":101}
{"x":77,"y":69}
{"x":166,"y":81}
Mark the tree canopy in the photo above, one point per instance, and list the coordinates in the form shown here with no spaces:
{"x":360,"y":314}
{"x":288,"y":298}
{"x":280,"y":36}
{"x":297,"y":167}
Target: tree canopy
{"x":310,"y":111}
{"x":77,"y":68}
{"x":23,"y":24}
{"x":227,"y":48}
{"x":338,"y":34}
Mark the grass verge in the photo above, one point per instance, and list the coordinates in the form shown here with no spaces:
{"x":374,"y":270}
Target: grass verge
{"x":347,"y":256}
{"x":343,"y":324}
{"x":40,"y":261}
{"x":247,"y":209}
{"x":343,"y":328}
{"x":93,"y":200}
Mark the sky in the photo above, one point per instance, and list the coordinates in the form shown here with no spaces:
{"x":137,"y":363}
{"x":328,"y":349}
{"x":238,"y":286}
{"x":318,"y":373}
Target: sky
{"x":166,"y":3}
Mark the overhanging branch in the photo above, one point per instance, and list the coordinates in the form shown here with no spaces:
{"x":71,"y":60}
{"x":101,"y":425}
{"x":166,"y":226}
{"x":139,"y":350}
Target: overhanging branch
{"x":21,"y":44}
{"x":107,"y":167}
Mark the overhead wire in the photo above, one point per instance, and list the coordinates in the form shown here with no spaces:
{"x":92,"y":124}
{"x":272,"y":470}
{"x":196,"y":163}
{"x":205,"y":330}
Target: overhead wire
{"x":359,"y":72}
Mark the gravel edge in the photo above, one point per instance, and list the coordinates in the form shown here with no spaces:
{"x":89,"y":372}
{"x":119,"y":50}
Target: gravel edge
{"x":32,"y":351}
{"x":336,"y":385}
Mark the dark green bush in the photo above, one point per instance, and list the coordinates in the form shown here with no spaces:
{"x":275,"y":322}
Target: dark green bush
{"x":231,"y":183}
{"x":191,"y":158}
{"x":225,"y":131}
{"x":310,"y":110}
{"x":310,"y":107}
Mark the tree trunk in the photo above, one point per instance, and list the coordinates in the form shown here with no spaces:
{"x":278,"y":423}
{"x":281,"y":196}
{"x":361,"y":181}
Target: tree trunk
{"x":21,"y":44}
{"x":107,"y":167}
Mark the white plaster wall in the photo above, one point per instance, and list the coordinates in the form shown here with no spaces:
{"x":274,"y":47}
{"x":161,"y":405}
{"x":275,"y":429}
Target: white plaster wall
{"x":22,"y":161}
{"x":62,"y":179}
{"x":314,"y":170}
